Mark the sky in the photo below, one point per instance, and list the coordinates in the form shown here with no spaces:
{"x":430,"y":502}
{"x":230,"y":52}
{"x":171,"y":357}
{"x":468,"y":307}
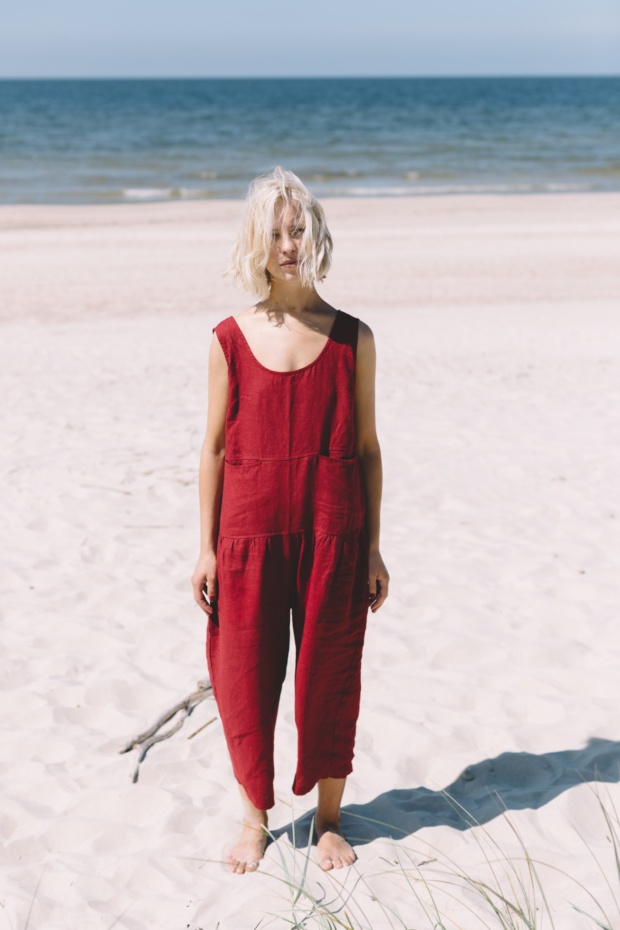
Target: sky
{"x":246,"y":38}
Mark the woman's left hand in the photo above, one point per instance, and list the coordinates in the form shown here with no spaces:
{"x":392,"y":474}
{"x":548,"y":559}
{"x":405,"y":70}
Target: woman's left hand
{"x":378,"y":580}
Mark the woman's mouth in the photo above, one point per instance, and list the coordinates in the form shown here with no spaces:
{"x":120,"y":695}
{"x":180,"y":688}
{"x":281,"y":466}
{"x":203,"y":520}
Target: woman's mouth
{"x":288,"y":264}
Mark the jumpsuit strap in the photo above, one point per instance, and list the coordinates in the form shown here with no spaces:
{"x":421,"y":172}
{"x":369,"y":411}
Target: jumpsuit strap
{"x":345,"y":330}
{"x":225,"y":336}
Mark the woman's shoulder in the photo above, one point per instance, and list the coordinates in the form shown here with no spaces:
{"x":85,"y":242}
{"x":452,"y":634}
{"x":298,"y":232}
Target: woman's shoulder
{"x":239,"y":318}
{"x":230,"y":331}
{"x":226,"y":321}
{"x":249,"y":311}
{"x":365,"y":347}
{"x":364,"y":332}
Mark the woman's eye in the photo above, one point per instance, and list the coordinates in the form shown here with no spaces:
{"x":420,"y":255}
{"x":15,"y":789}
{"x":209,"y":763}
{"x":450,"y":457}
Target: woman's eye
{"x":298,"y":232}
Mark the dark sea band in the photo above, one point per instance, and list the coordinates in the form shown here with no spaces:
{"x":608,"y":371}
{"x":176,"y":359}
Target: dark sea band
{"x":105,"y":141}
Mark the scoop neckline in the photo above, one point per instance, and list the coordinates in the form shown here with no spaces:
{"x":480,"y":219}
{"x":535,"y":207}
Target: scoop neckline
{"x":293,"y":371}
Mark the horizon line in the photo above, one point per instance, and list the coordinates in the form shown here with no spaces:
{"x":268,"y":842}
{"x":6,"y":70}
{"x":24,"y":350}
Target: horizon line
{"x":297,"y":77}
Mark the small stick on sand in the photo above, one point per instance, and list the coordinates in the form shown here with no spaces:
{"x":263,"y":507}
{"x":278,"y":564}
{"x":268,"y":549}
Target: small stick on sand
{"x":203,"y":727}
{"x":151,"y":736}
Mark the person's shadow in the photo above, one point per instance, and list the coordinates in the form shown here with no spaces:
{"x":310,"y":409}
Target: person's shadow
{"x":511,"y":781}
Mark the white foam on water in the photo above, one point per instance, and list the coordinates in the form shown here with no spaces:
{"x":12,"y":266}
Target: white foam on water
{"x":146,"y":193}
{"x":429,"y":189}
{"x":373,"y":191}
{"x":165,"y":193}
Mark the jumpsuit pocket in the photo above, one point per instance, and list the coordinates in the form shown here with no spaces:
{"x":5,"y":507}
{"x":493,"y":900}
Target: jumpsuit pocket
{"x":338,"y":497}
{"x":253,"y":502}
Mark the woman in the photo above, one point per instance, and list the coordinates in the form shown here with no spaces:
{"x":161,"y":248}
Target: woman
{"x":290,"y":491}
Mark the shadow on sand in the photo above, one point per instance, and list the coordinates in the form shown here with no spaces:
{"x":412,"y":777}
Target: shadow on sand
{"x":520,"y":779}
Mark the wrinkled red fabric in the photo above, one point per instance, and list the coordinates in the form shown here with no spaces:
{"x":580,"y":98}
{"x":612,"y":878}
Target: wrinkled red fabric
{"x":292,"y":540}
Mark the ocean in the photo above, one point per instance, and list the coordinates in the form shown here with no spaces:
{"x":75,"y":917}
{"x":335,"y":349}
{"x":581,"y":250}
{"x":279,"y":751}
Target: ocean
{"x":107,"y":141}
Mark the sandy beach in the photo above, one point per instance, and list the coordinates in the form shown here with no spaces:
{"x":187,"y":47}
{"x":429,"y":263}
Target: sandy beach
{"x":490,"y":672}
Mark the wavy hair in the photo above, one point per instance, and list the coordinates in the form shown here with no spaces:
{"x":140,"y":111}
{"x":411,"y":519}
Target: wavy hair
{"x":267,"y":196}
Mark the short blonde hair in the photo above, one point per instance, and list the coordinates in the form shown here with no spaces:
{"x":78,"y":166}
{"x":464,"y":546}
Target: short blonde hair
{"x":268,"y":193}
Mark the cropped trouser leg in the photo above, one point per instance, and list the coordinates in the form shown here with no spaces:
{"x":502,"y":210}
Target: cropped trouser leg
{"x":323,"y":578}
{"x":247,"y":654}
{"x":329,"y":623}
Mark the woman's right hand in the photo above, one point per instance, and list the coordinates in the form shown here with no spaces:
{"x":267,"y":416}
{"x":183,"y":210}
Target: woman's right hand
{"x":205,"y":576}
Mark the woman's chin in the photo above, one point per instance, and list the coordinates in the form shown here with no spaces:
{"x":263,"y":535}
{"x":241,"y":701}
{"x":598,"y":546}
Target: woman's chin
{"x":287,"y":274}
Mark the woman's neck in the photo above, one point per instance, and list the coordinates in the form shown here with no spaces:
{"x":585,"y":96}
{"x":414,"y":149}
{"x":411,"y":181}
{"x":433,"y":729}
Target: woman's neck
{"x":292,"y":297}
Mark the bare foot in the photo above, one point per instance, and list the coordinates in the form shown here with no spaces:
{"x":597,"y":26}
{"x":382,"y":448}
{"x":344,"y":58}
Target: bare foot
{"x":333,"y":850}
{"x":249,"y":849}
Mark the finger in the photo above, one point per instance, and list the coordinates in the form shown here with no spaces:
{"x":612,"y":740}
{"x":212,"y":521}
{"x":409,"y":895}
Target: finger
{"x":206,"y":605}
{"x":209,"y":599}
{"x":383,"y":593}
{"x":211,"y":586}
{"x":200,"y":600}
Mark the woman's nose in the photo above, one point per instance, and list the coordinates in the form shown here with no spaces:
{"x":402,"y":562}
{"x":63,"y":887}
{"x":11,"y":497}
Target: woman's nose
{"x":287,"y":242}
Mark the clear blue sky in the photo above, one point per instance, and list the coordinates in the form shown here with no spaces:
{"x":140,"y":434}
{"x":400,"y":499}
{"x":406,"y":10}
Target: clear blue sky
{"x":78,"y":38}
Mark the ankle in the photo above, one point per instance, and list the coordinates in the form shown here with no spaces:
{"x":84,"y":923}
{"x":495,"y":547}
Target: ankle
{"x":325,"y":822}
{"x":255,"y":821}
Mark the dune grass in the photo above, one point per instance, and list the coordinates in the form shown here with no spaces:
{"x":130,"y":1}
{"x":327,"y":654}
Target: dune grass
{"x":435,"y":893}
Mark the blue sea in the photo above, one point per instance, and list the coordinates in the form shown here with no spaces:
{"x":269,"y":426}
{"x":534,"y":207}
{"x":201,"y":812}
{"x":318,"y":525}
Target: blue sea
{"x":106,"y":141}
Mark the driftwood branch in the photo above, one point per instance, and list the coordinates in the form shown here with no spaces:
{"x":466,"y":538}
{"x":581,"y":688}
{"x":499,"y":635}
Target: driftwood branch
{"x":145,"y":740}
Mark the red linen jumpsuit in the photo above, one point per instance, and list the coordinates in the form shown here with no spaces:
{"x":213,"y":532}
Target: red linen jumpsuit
{"x":292,"y":537}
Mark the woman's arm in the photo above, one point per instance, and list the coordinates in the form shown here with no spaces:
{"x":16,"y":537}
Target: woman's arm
{"x":210,"y":477}
{"x":369,"y":452}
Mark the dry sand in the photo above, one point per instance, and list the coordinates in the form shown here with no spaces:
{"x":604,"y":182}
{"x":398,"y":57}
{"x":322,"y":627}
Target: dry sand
{"x":492,"y":667}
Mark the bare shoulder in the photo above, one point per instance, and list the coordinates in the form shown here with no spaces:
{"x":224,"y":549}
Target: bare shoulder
{"x":217,"y":356}
{"x":216,"y":352}
{"x":244,"y":314}
{"x":364,"y":333}
{"x":365,"y":341}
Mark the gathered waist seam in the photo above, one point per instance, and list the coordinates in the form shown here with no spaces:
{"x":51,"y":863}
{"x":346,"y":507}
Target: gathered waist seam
{"x":289,"y":533}
{"x":293,"y":458}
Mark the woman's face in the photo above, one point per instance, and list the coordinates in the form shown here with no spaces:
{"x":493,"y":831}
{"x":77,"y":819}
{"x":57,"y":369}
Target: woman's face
{"x":287,"y":233}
